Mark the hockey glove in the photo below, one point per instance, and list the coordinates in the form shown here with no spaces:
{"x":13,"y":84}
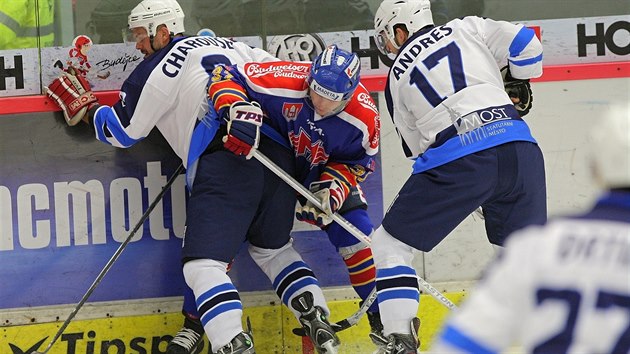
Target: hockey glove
{"x":331,"y":194}
{"x":519,"y":91}
{"x":243,"y":128}
{"x":73,"y":95}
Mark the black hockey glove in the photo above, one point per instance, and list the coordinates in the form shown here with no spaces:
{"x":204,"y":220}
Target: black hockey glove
{"x":519,"y":91}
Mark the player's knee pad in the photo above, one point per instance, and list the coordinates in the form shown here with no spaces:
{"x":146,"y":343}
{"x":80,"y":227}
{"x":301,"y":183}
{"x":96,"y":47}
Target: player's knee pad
{"x":389,"y":252}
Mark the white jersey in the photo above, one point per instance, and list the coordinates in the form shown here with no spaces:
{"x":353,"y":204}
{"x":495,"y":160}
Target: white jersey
{"x":168,"y":90}
{"x":560,"y":288}
{"x":445,"y":92}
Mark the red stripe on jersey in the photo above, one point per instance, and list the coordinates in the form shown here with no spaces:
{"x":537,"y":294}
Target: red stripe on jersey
{"x":224,"y":84}
{"x":363,"y":108}
{"x":225,"y":92}
{"x":225,"y":98}
{"x":341,"y":172}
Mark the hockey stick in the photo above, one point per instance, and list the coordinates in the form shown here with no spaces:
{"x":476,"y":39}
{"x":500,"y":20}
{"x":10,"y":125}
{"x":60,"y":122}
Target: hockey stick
{"x":350,"y":320}
{"x":353,"y":230}
{"x":113,"y":259}
{"x":355,"y":317}
{"x":311,"y":197}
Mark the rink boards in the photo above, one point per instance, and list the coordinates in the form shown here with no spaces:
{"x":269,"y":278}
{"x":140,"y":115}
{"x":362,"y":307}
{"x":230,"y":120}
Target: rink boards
{"x":69,"y":201}
{"x":52,"y":248}
{"x":149,"y":334}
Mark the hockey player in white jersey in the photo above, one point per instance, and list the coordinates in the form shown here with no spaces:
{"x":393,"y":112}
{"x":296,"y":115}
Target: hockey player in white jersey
{"x":231,"y":199}
{"x":564,"y":287}
{"x":460,"y":120}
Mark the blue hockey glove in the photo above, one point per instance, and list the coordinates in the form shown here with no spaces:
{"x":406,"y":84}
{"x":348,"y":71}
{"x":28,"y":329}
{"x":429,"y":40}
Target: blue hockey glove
{"x":243,"y":128}
{"x":331,"y":193}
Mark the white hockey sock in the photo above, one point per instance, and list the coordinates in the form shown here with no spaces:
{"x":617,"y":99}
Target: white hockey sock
{"x":219,"y":305}
{"x":398,"y":293}
{"x":289,"y":274}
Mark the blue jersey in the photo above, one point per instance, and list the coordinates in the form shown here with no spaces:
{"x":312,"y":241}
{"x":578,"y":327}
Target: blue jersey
{"x":445,"y":93}
{"x":168,"y":90}
{"x":342,"y":146}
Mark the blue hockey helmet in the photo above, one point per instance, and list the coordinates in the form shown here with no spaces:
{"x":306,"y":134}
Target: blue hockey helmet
{"x":335,"y":75}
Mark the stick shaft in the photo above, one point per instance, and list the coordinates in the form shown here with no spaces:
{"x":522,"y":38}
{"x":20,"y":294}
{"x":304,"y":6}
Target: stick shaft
{"x":353,"y":230}
{"x":311,"y":197}
{"x":114,"y":257}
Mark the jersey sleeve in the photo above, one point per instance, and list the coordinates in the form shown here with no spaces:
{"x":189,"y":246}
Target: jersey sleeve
{"x":358,"y":159}
{"x":226,"y":87}
{"x":131,"y":118}
{"x":514,"y":45}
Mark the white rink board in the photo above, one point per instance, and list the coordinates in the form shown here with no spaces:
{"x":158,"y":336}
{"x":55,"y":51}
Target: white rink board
{"x":560,"y":120}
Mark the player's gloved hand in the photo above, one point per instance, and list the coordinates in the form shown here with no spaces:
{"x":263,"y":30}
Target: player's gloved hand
{"x":73,"y":94}
{"x":519,"y":91}
{"x":331,"y":194}
{"x":243,"y":128}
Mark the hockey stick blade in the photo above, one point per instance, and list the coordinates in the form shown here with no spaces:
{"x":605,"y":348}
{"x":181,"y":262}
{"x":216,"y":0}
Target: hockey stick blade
{"x":113,"y":259}
{"x":355,"y":317}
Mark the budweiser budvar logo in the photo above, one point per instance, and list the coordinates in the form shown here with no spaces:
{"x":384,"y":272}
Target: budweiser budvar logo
{"x":292,"y":69}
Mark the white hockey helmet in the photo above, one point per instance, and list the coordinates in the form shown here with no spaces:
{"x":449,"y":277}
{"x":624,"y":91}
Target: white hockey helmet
{"x":149,"y":14}
{"x":610,"y":148}
{"x":414,"y":14}
{"x":179,"y":14}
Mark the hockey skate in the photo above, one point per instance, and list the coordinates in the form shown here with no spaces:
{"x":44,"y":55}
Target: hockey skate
{"x":316,"y":325}
{"x":243,"y":343}
{"x":397,"y":343}
{"x":189,"y":339}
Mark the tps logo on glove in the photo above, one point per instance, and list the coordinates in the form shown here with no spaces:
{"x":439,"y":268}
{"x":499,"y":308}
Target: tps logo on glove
{"x":248,"y":116}
{"x":243,"y":128}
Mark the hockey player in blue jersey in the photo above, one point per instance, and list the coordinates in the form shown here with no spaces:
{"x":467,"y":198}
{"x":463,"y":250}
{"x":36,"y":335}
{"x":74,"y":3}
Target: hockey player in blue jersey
{"x":328,"y":120}
{"x":461,"y":122}
{"x":563,"y":287}
{"x":231,"y":199}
